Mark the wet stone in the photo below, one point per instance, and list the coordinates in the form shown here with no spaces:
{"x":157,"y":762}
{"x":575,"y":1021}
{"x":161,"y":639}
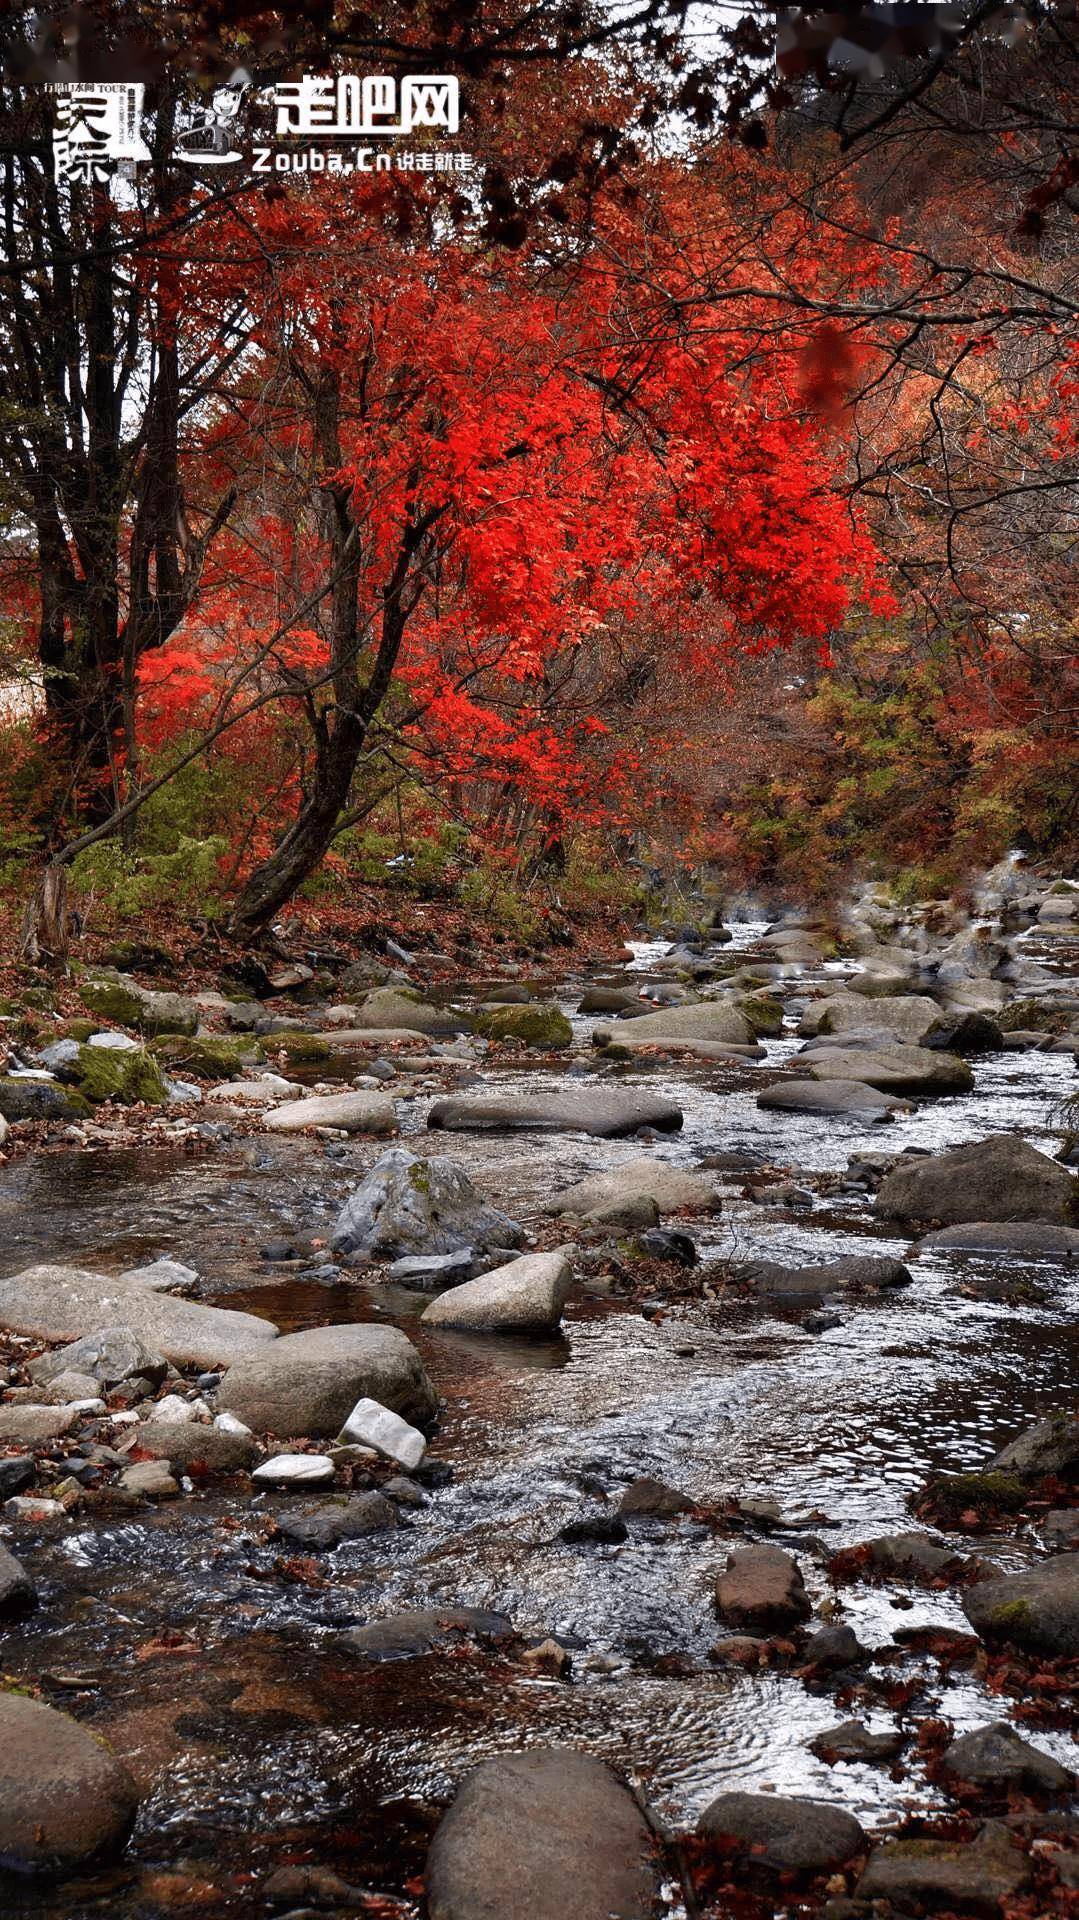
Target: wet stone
{"x":321,"y":1528}
{"x":784,"y":1835}
{"x":978,"y":1876}
{"x":762,"y":1589}
{"x":404,"y":1636}
{"x":851,"y":1741}
{"x":996,"y":1756}
{"x":17,"y":1590}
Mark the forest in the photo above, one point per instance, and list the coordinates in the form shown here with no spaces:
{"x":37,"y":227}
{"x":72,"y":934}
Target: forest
{"x":539,"y":960}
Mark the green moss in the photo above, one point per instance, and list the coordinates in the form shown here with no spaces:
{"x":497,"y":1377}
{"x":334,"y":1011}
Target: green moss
{"x":419,"y":1176}
{"x":765,"y":1015}
{"x":78,"y":1029}
{"x":954,"y":1493}
{"x":299,"y":1047}
{"x":125,"y":1074}
{"x":537,"y":1026}
{"x":112,"y":999}
{"x":1012,"y":1620}
{"x":1028,"y":1015}
{"x":210,"y":1056}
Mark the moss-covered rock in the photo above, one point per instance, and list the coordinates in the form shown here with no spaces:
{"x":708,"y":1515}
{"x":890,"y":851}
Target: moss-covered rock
{"x":765,"y":1014}
{"x":949,"y":1496}
{"x":209,"y":1056}
{"x":39,"y":1100}
{"x":114,"y":997}
{"x":536,"y":1025}
{"x":79,"y":1030}
{"x":300,"y":1048}
{"x":127,"y":1074}
{"x":1029,"y":1016}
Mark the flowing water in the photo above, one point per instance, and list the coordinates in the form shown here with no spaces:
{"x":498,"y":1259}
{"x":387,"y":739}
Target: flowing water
{"x":211,"y":1663}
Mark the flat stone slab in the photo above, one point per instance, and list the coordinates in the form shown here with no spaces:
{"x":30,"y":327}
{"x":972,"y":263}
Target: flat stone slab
{"x":891,"y":1069}
{"x":296,"y":1470}
{"x":852,"y":1098}
{"x":1026,"y":1239}
{"x":909,"y":1016}
{"x":552,"y":1834}
{"x":606,"y":1112}
{"x":64,"y":1303}
{"x":527,"y":1296}
{"x":980,"y":1875}
{"x":404,"y":1636}
{"x":353,"y":1112}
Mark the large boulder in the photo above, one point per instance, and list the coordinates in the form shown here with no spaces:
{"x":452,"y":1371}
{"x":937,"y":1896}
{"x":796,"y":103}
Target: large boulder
{"x":672,"y":1189}
{"x":22,"y":1097}
{"x":65,"y":1798}
{"x":909,"y":1017}
{"x":1037,"y":1611}
{"x":401,"y":1007}
{"x":551,"y":1834}
{"x":129,"y":1075}
{"x":64,"y":1303}
{"x":891,"y":1069}
{"x":409,"y":1205}
{"x":527,"y":1296}
{"x":996,"y":1756}
{"x":308,"y":1383}
{"x":536,"y":1025}
{"x":998,"y":1179}
{"x":843,"y":1099}
{"x":607,"y":1112}
{"x":353,"y":1112}
{"x":785,"y":1836}
{"x":701,"y":1020}
{"x":761,"y":1590}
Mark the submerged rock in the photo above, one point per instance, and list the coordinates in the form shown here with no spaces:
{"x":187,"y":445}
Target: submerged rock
{"x":527,"y":1296}
{"x":17,"y":1590}
{"x":1027,"y":1239}
{"x":551,"y":1834}
{"x":403,"y":1636}
{"x":65,"y":1798}
{"x":308,"y":1383}
{"x":319,"y":1528}
{"x":979,"y":1875}
{"x":784,"y":1836}
{"x":1002,"y":1178}
{"x":607,"y":1112}
{"x":854,"y":1743}
{"x":409,"y":1205}
{"x":842,"y":1098}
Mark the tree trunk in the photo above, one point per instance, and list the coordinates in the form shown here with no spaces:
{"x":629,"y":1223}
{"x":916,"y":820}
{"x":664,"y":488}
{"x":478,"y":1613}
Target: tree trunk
{"x":44,"y":932}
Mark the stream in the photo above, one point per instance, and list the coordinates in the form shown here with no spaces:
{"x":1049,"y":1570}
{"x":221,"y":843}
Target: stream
{"x":209,"y":1661}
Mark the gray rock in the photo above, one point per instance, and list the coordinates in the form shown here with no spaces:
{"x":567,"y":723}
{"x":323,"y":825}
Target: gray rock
{"x":409,"y":1205}
{"x":1025,"y":1239}
{"x":891,"y":1069}
{"x":64,"y":1796}
{"x":403,"y":1636}
{"x":997,"y":1179}
{"x":1037,"y":1611}
{"x":320,"y":1528}
{"x":1060,"y":1529}
{"x":995,"y":1756}
{"x":17,"y":1590}
{"x":607,"y":1000}
{"x":762,"y":1590}
{"x":853,"y":1742}
{"x":651,"y":1500}
{"x":66,"y":1388}
{"x":308,"y":1383}
{"x":909,"y":1017}
{"x":400,"y":1007}
{"x":784,"y":1836}
{"x":551,"y":1834}
{"x":843,"y":1098}
{"x":646,"y":1178}
{"x":30,"y":1426}
{"x":148,"y":1480}
{"x":108,"y":1356}
{"x":607,"y":1112}
{"x":29,"y":1099}
{"x":979,"y":1875}
{"x":350,"y":1112}
{"x":833,"y":1647}
{"x":191,"y":1447}
{"x":429,"y":1273}
{"x":1049,"y":1447}
{"x":163,"y":1275}
{"x":719,"y":1020}
{"x":527,"y":1296}
{"x":64,"y":1303}
{"x":913,"y":1556}
{"x":857,"y":1271}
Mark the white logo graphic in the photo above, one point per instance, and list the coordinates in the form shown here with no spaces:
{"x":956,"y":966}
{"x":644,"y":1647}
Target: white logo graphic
{"x":350,"y":104}
{"x":209,"y":141}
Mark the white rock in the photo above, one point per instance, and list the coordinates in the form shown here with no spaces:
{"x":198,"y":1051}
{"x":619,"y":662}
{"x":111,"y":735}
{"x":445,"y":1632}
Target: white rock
{"x":24,"y":1506}
{"x":229,"y":1423}
{"x":295,"y":1470}
{"x":4,"y":1129}
{"x":527,"y":1296}
{"x":128,"y":1419}
{"x":353,"y":1112}
{"x":115,"y":1042}
{"x":173,"y":1408}
{"x":370,"y":1424}
{"x":256,"y":1093}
